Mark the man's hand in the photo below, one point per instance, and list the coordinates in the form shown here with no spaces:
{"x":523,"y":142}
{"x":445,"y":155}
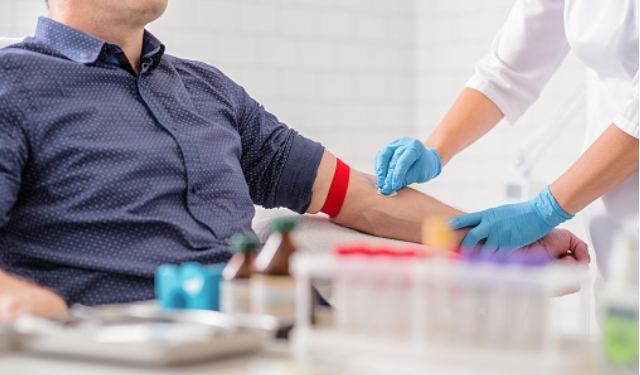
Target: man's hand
{"x":18,"y":297}
{"x":559,"y":244}
{"x":562,"y":246}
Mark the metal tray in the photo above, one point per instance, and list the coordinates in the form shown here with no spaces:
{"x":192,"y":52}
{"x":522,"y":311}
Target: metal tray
{"x":143,"y":333}
{"x":7,"y":339}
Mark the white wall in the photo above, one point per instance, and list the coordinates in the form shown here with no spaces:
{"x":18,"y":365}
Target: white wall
{"x":19,"y":17}
{"x":340,"y":72}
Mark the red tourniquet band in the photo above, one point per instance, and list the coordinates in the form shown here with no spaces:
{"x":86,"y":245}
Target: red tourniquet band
{"x":338,"y":189}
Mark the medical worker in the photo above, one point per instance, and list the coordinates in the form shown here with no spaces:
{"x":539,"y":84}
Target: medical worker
{"x":603,"y":182}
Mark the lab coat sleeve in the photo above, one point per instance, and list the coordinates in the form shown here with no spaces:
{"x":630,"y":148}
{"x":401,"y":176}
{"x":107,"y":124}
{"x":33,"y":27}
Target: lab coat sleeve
{"x":524,"y":55}
{"x":627,"y":119}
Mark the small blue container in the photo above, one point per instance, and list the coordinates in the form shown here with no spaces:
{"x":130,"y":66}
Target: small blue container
{"x":190,"y":286}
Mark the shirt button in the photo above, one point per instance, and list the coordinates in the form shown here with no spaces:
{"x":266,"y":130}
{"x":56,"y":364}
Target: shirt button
{"x":195,"y":189}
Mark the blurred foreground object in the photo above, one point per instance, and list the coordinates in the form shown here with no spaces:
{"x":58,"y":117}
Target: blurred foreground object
{"x":190,"y":286}
{"x":429,"y":312}
{"x":235,"y":292}
{"x":272,"y":287}
{"x":620,"y":310}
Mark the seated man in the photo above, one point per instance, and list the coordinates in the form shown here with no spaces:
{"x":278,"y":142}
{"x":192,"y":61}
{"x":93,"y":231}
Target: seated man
{"x":116,"y":158}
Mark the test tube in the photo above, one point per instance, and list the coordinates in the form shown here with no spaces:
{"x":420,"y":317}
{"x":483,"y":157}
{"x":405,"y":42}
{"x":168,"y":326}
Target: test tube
{"x":342,"y":288}
{"x":420,"y":299}
{"x":506,"y":288}
{"x":401,"y":303}
{"x":455,"y":302}
{"x":427,"y":297}
{"x":468,"y":301}
{"x":537,"y":332}
{"x":380,"y":295}
{"x":493,"y":293}
{"x":444,"y":327}
{"x":519,"y":300}
{"x":358,"y":287}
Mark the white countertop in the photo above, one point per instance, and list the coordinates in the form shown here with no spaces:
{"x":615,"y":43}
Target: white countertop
{"x":273,"y":360}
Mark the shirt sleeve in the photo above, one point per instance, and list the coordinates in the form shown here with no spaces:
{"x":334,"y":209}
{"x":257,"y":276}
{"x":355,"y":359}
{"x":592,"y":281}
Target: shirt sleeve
{"x":13,"y":143}
{"x":627,"y":119}
{"x":524,"y":54}
{"x":279,"y":164}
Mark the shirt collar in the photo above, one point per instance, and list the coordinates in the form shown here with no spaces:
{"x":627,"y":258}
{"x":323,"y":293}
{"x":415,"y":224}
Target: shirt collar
{"x":152,"y":49}
{"x":85,"y":48}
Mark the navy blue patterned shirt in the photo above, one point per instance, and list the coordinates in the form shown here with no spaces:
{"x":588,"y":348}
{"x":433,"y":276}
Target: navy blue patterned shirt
{"x":105,"y":174}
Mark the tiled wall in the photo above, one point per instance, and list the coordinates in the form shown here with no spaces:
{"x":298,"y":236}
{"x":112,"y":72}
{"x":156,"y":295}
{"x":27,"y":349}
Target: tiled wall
{"x":18,"y":17}
{"x":340,"y":72}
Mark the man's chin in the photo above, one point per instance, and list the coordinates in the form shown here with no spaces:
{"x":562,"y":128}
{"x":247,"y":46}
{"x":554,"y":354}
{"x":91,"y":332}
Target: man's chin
{"x":147,"y":11}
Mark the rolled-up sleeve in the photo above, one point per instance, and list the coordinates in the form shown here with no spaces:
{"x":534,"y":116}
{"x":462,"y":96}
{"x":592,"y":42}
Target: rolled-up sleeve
{"x":279,"y":164}
{"x":13,"y":143}
{"x":627,"y":119}
{"x":525,"y":53}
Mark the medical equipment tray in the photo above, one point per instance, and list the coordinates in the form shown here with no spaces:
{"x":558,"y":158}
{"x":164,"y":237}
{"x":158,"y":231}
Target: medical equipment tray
{"x":7,"y":339}
{"x":143,"y":333}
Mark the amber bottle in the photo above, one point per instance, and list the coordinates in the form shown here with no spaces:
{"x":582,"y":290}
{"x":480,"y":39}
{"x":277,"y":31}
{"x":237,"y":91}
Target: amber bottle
{"x":272,"y":287}
{"x":235,"y":295}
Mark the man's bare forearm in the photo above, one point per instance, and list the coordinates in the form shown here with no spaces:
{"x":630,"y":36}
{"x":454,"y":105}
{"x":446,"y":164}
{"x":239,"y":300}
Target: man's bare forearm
{"x":399,"y":217}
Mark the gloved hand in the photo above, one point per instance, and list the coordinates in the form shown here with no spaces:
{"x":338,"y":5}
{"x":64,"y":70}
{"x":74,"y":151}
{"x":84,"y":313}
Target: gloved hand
{"x":512,"y":226}
{"x":403,"y":162}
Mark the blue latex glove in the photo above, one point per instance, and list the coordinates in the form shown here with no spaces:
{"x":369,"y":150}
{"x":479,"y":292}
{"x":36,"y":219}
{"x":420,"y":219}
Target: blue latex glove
{"x":512,"y":226}
{"x":403,"y":162}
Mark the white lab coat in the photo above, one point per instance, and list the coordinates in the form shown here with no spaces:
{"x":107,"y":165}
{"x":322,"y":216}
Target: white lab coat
{"x":527,"y":51}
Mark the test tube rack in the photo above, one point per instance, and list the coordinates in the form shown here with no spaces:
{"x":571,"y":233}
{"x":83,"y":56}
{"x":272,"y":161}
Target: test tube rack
{"x":394,"y":308}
